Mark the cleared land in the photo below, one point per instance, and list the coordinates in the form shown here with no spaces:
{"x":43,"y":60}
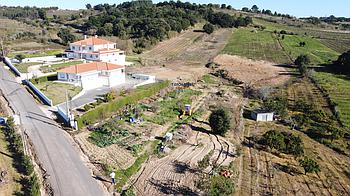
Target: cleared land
{"x":257,"y":73}
{"x":183,"y":56}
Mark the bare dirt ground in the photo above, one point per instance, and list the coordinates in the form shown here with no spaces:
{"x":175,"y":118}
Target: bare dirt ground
{"x":112,"y":155}
{"x":183,"y":56}
{"x":257,"y":73}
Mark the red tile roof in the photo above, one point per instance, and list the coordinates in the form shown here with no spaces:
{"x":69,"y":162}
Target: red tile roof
{"x":92,"y":41}
{"x":93,"y":66}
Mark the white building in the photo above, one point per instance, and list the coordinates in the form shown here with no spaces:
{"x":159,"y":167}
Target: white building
{"x":93,"y":75}
{"x":96,"y":49}
{"x":263,"y":116}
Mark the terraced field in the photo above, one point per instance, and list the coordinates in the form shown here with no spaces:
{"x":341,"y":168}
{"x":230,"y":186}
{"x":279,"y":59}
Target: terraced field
{"x":338,"y":86}
{"x":257,"y":45}
{"x":318,"y":52}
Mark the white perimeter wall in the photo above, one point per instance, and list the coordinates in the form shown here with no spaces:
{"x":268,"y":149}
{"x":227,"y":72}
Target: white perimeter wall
{"x":117,"y":77}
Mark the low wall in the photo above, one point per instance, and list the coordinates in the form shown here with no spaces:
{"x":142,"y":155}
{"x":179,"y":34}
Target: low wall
{"x":69,"y":120}
{"x":148,"y":79}
{"x":40,"y":94}
{"x":7,"y":61}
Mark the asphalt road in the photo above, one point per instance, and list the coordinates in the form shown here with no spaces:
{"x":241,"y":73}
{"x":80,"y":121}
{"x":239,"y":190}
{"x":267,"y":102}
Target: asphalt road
{"x":67,"y":173}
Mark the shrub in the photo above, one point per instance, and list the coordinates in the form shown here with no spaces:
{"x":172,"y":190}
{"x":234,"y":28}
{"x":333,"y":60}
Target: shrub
{"x":208,"y":28}
{"x":34,"y":186}
{"x":27,"y":165}
{"x":278,"y":105}
{"x":309,"y":165}
{"x":283,"y":142}
{"x":221,"y":186}
{"x":219,"y":121}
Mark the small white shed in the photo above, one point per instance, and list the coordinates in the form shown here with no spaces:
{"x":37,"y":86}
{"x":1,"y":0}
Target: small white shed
{"x":262,"y":116}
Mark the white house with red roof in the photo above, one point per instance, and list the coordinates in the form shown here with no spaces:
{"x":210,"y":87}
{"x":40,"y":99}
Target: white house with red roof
{"x":93,"y":75}
{"x":96,"y":49}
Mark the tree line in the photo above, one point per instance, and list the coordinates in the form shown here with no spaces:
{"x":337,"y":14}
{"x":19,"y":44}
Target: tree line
{"x":255,"y":9}
{"x":148,"y":23}
{"x":18,"y":12}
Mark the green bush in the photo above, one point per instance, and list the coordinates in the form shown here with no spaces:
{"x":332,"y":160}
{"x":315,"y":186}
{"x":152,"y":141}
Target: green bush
{"x":283,"y":142}
{"x":309,"y":165}
{"x":106,"y":110}
{"x":34,"y":186}
{"x":27,"y":165}
{"x":221,"y":186}
{"x":219,"y":121}
{"x":43,"y":79}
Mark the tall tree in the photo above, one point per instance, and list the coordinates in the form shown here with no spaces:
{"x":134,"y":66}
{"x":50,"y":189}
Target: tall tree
{"x":219,"y":121}
{"x":66,"y":36}
{"x":255,"y":8}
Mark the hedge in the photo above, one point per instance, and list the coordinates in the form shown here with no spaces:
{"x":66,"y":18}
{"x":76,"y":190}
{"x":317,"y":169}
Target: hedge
{"x":43,"y":79}
{"x":106,"y":110}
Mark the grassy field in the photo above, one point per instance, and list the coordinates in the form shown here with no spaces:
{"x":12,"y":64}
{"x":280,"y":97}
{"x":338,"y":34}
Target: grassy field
{"x":336,"y":41}
{"x":258,"y":45}
{"x":23,"y":67}
{"x":55,"y":67}
{"x":40,"y":53}
{"x":318,"y":52}
{"x":57,"y":91}
{"x":338,"y":87}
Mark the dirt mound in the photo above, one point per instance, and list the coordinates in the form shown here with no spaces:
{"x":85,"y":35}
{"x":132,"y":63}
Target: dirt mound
{"x":258,"y":73}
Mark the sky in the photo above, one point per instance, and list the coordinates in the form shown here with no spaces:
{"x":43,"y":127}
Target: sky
{"x":299,"y":8}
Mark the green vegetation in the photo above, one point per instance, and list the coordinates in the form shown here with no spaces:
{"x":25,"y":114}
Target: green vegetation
{"x":302,"y":62}
{"x":108,"y":134}
{"x":23,"y":67}
{"x":108,"y":109}
{"x":338,"y":88}
{"x":255,"y":44}
{"x":343,"y":62}
{"x":317,"y":52}
{"x":283,"y":142}
{"x":66,"y":36}
{"x":55,"y":67}
{"x":205,"y":162}
{"x":57,"y":91}
{"x":208,"y":79}
{"x":52,"y":52}
{"x":309,"y":165}
{"x":220,"y":121}
{"x":148,"y":23}
{"x":172,"y":106}
{"x":124,"y":175}
{"x":277,"y":104}
{"x":208,"y":28}
{"x":22,"y":162}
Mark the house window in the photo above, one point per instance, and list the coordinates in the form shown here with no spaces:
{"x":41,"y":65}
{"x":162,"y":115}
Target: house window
{"x":73,"y":47}
{"x":96,"y":56}
{"x":90,"y":48}
{"x":121,"y":53}
{"x":122,"y":70}
{"x":83,"y":47}
{"x":90,"y":55}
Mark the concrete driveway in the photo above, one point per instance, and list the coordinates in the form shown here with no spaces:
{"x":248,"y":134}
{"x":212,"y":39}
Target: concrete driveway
{"x":92,"y":95}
